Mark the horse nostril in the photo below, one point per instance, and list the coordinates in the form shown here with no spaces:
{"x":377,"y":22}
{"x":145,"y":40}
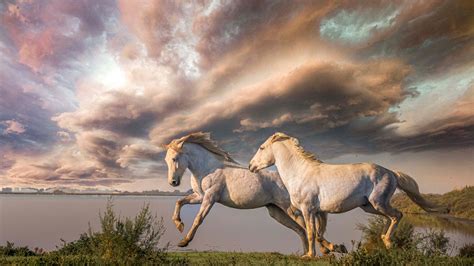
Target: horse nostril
{"x":252,"y":168}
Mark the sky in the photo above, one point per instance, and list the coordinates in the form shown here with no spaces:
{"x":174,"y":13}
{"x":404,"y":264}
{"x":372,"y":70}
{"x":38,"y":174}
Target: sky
{"x":90,"y":90}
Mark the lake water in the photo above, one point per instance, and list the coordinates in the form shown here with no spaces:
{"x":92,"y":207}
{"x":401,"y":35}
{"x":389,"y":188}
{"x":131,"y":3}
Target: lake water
{"x":42,"y":220}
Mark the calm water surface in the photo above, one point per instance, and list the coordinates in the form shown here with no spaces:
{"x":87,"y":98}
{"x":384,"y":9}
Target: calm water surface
{"x":42,"y":220}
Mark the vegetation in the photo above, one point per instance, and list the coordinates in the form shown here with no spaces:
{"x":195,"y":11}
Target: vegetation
{"x":459,"y":202}
{"x":467,"y":251}
{"x":429,"y":243}
{"x":135,"y":241}
{"x":129,"y":241}
{"x":403,"y":236}
{"x":410,"y":248}
{"x":11,"y":250}
{"x":120,"y":241}
{"x":399,"y":257}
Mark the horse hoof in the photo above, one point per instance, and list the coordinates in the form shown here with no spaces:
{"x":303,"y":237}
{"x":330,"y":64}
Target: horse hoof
{"x":325,"y":251}
{"x":340,"y":248}
{"x":388,"y":244}
{"x":183,"y":243}
{"x":180,"y":226}
{"x":307,"y":256}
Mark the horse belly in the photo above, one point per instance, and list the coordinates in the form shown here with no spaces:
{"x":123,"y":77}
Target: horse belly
{"x":342,"y":205}
{"x":244,"y":194}
{"x":242,"y":200}
{"x":340,"y":198}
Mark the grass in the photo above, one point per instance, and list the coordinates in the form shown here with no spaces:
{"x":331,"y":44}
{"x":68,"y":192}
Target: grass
{"x":358,"y":257}
{"x":240,"y":258}
{"x":459,"y":202}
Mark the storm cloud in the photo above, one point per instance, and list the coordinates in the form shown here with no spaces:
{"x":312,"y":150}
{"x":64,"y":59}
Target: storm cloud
{"x":90,"y":90}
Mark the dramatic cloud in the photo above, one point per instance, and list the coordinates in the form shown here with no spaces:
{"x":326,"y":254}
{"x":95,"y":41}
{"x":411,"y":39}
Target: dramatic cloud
{"x":90,"y":89}
{"x":319,"y":93}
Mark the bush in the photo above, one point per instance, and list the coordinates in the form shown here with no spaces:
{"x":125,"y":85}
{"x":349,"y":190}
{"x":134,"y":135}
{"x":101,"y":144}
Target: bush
{"x":403,"y":237}
{"x":434,"y":243}
{"x":121,"y":241}
{"x":467,"y":251}
{"x":410,"y":256}
{"x":409,"y":248}
{"x":82,"y":246}
{"x":11,"y":250}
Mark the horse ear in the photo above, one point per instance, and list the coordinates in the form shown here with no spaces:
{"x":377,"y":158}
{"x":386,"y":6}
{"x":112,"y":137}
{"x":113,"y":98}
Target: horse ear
{"x":279,"y":136}
{"x":274,"y":138}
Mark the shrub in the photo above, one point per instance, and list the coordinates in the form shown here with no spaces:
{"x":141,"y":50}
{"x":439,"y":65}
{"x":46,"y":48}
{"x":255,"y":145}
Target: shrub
{"x":409,"y":248}
{"x":410,"y":256}
{"x":11,"y":250}
{"x":467,"y":251}
{"x":434,"y":243}
{"x":121,"y":241}
{"x":82,"y":246}
{"x":403,"y":237}
{"x":50,"y":259}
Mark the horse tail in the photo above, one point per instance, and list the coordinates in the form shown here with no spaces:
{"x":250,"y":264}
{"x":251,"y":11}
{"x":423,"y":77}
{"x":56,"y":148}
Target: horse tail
{"x":410,"y":187}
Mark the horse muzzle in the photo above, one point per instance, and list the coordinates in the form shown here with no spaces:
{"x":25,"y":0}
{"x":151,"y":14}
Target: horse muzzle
{"x":253,"y":168}
{"x":174,"y":183}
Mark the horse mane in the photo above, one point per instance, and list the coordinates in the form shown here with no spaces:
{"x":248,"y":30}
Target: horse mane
{"x":204,"y":140}
{"x":296,"y":144}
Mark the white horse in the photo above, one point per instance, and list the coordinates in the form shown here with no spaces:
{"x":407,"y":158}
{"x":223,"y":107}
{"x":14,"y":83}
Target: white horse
{"x":216,"y":177}
{"x":318,"y":188}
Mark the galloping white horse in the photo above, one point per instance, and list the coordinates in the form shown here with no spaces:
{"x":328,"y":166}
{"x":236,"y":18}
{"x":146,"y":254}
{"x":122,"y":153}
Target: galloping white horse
{"x":216,"y":177}
{"x":317,"y":188}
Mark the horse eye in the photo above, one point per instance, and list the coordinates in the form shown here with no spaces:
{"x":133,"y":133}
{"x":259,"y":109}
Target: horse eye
{"x":261,"y":148}
{"x":174,"y":159}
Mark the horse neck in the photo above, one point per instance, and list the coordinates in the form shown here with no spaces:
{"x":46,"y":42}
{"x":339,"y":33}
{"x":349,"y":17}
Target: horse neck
{"x":201,"y":162}
{"x":289,"y":163}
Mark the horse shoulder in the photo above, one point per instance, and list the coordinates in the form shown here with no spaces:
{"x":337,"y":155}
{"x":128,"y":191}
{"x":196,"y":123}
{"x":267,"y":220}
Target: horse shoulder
{"x":215,"y":179}
{"x":196,"y":186}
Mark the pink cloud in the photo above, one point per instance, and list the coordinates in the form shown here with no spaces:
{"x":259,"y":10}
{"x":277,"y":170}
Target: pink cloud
{"x":13,"y":127}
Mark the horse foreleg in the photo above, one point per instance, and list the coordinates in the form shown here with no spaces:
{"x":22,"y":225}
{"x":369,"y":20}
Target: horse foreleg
{"x":295,"y":214}
{"x":206,"y":205}
{"x":282,"y":217}
{"x":326,"y":246}
{"x":309,"y":219}
{"x":189,"y":199}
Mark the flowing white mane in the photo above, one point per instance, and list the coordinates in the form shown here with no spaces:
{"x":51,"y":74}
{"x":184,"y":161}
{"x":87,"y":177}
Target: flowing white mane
{"x":296,"y":144}
{"x":204,"y":140}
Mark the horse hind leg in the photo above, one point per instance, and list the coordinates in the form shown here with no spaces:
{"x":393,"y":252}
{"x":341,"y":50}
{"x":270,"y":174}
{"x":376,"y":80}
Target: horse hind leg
{"x":395,"y":216}
{"x":380,"y":200}
{"x":370,"y":209}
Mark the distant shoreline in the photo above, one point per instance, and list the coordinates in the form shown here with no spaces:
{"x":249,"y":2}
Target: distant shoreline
{"x":98,"y":194}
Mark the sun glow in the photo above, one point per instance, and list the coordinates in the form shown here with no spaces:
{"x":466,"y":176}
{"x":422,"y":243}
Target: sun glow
{"x":111,"y":75}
